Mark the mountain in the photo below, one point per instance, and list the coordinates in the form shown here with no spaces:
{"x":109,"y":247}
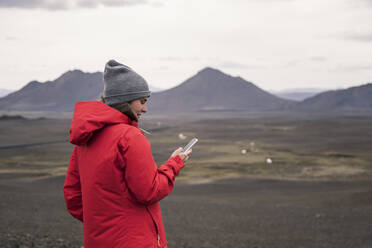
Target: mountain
{"x":58,"y":95}
{"x":299,"y":94}
{"x":359,"y":97}
{"x":212,"y":90}
{"x":208,"y":90}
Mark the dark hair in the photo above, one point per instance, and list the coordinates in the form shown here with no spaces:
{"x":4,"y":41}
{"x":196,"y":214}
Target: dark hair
{"x":124,"y":108}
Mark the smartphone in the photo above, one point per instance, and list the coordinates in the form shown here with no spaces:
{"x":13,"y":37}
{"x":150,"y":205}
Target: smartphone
{"x":190,"y":144}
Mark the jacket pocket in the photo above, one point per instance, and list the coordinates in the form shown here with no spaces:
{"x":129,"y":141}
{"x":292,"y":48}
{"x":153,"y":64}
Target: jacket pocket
{"x":156,"y":228}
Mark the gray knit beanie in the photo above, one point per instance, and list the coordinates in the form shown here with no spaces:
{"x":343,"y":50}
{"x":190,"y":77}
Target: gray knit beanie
{"x":122,"y":84}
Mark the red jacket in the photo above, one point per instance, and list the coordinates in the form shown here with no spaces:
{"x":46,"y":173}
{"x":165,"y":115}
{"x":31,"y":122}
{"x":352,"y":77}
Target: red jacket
{"x":113,"y":184}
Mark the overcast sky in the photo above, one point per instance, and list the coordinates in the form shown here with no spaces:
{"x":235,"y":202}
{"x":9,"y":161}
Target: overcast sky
{"x":276,"y":44}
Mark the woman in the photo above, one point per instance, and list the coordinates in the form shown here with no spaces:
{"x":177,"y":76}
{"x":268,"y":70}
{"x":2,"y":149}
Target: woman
{"x":113,"y":184}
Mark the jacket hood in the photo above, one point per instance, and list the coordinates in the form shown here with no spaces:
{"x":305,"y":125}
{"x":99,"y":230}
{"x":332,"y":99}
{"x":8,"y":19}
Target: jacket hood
{"x":90,"y":116}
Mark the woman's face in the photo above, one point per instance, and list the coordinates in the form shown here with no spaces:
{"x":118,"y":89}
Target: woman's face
{"x":139,"y":106}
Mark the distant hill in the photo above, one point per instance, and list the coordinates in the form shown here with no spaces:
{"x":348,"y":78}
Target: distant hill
{"x":58,"y":95}
{"x":212,"y":90}
{"x":297,"y":94}
{"x":359,"y":97}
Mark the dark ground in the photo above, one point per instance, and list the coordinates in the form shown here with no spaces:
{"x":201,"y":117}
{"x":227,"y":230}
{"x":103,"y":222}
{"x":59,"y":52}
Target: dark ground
{"x":325,"y":200}
{"x":227,"y":213}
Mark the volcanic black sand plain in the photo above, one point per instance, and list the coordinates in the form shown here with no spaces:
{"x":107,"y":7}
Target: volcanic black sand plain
{"x":253,"y":180}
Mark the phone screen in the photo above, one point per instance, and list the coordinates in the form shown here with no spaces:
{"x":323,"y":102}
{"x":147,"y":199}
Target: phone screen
{"x":190,"y":144}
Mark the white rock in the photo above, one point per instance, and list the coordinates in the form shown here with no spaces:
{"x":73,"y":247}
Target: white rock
{"x":244,"y":151}
{"x":269,"y":161}
{"x":181,"y":136}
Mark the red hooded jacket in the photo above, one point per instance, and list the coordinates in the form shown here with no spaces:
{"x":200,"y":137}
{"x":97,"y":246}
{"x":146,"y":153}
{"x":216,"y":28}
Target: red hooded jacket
{"x":113,"y":184}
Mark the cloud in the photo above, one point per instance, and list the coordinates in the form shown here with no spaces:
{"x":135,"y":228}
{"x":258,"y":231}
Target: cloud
{"x":70,"y":4}
{"x":113,"y":3}
{"x":11,"y":38}
{"x":277,"y":1}
{"x":171,"y":59}
{"x":365,"y":2}
{"x":234,"y":65}
{"x":269,"y":1}
{"x":178,"y":59}
{"x":161,"y":67}
{"x":317,"y":59}
{"x":355,"y":67}
{"x":304,"y":61}
{"x":20,"y":3}
{"x":294,"y":62}
{"x":363,"y":37}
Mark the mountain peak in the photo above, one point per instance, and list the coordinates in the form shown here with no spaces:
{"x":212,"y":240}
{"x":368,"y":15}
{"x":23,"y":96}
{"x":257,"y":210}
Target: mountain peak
{"x":209,"y":71}
{"x":75,"y":71}
{"x":212,"y":90}
{"x":57,"y":95}
{"x":368,"y":84}
{"x":71,"y":73}
{"x":74,"y":75}
{"x":32,"y":84}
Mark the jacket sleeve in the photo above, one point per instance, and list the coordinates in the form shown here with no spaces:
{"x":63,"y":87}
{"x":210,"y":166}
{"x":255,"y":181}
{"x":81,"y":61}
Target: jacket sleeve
{"x":72,"y":188}
{"x":147,"y":183}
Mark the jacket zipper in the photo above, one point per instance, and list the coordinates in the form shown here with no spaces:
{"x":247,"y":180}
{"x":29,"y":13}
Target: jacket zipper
{"x":156,"y":227}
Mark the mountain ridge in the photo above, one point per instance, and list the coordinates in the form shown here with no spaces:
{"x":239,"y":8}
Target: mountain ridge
{"x":57,"y":95}
{"x":209,"y":89}
{"x":356,"y":97}
{"x":212,"y":90}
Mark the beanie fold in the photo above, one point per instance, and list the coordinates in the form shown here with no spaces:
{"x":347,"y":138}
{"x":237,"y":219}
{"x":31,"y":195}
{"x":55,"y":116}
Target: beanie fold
{"x":127,"y":97}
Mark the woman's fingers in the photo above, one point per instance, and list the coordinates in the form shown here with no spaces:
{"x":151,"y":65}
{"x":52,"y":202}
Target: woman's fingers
{"x":183,"y":156}
{"x":177,"y":152}
{"x":188,"y":152}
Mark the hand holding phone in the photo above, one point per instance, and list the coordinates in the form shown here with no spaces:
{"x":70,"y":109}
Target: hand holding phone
{"x":189,"y":145}
{"x":183,"y":152}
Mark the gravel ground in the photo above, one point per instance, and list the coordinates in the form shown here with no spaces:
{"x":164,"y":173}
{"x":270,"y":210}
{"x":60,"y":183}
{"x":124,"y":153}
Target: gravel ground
{"x":227,"y":213}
